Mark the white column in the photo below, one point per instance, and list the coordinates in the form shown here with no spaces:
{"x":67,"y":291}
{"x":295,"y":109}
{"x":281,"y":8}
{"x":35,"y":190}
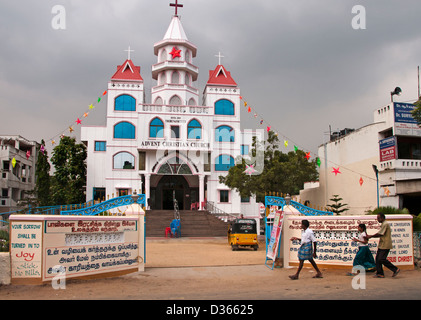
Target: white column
{"x":201,"y":191}
{"x":147,"y":188}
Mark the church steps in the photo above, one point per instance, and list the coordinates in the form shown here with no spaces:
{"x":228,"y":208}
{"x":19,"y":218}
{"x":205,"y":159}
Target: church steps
{"x":193,"y":223}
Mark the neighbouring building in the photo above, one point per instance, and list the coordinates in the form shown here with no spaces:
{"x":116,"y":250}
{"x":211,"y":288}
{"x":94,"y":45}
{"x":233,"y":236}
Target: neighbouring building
{"x":18,"y":160}
{"x":391,"y":145}
{"x":177,"y":145}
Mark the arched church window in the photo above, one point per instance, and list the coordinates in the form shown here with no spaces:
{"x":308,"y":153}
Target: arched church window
{"x":156,"y":128}
{"x":123,"y":160}
{"x":124,"y":130}
{"x":224,"y":107}
{"x":175,"y":101}
{"x":224,"y":162}
{"x":174,"y":165}
{"x":158,"y":101}
{"x":124,"y":102}
{"x":163,"y":56}
{"x":224,"y":134}
{"x":194,"y":130}
{"x":192,"y":102}
{"x":175,"y":77}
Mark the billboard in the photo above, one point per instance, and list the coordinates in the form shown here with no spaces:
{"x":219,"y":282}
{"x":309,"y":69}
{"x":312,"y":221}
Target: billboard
{"x":405,"y":124}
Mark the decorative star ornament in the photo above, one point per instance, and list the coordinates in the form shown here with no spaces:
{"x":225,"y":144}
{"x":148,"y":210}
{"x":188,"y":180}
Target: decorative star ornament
{"x":91,"y":106}
{"x":336,"y":171}
{"x":268,"y":128}
{"x":361,"y":181}
{"x":308,"y":155}
{"x":286,"y":143}
{"x":249,"y":170}
{"x":13,"y":162}
{"x":318,"y":162}
{"x":85,"y":114}
{"x":175,"y":52}
{"x":78,"y":121}
{"x":71,"y":129}
{"x":28,"y":154}
{"x":42,"y":149}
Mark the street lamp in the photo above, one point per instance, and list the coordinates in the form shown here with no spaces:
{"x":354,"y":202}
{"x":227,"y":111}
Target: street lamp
{"x":376,"y":171}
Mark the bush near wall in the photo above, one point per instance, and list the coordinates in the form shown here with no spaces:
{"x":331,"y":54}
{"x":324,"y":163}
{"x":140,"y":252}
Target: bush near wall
{"x":4,"y":241}
{"x":416,"y":222}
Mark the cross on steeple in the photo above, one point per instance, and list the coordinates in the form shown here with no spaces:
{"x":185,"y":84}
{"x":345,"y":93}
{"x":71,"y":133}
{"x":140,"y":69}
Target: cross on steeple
{"x":219,"y":58}
{"x":176,"y":5}
{"x":128,"y":55}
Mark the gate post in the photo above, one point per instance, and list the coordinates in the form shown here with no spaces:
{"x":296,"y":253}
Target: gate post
{"x":136,"y":210}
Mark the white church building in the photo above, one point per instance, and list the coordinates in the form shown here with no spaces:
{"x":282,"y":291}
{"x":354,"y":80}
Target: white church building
{"x":176,"y":146}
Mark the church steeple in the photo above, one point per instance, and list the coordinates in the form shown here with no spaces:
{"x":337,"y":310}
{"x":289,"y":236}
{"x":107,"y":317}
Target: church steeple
{"x":174,"y":70}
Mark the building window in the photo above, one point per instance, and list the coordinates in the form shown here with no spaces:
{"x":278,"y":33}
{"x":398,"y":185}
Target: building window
{"x":175,"y":132}
{"x":175,"y":101}
{"x":125,"y":103}
{"x":245,"y":199}
{"x":99,"y":194}
{"x":123,"y":160}
{"x":224,"y":134}
{"x":194,"y":130}
{"x":100,"y":146}
{"x":142,"y":160}
{"x":124,"y":130}
{"x":175,"y":77}
{"x":244,"y":150}
{"x":224,"y":196}
{"x":224,"y":162}
{"x":224,"y":107}
{"x":156,"y":128}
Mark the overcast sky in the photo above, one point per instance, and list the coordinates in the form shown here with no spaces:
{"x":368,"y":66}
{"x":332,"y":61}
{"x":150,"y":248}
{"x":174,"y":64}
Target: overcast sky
{"x":300,"y":64}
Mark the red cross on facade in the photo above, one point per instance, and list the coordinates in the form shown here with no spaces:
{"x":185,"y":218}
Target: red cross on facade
{"x":176,"y":5}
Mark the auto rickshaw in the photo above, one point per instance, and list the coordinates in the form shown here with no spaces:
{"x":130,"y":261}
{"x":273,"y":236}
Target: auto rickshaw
{"x":243,"y":232}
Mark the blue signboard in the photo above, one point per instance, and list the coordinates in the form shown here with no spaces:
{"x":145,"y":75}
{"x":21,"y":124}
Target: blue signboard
{"x":403,"y":112}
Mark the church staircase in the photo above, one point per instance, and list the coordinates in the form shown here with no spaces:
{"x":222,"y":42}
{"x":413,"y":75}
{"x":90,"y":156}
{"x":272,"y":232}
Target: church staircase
{"x":193,"y":223}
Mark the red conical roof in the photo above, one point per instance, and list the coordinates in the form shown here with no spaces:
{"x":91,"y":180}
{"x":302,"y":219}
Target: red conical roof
{"x":220,"y":76}
{"x":127,"y":71}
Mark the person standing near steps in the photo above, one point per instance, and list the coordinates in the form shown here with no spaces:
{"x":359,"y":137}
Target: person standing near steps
{"x":306,"y":251}
{"x":385,"y":244}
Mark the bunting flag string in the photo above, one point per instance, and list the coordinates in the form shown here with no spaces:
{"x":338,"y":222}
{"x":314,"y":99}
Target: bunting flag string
{"x":78,"y":121}
{"x":286,"y":141}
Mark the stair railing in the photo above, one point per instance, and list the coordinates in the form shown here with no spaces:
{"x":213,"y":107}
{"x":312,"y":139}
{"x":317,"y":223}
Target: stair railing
{"x":214,"y":210}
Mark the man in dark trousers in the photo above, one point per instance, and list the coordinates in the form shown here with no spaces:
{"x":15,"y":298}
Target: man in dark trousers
{"x":385,"y":244}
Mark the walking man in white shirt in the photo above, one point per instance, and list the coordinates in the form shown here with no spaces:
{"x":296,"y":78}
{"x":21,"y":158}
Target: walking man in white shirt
{"x":306,"y":251}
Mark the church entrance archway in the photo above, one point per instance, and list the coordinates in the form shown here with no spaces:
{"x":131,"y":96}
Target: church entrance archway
{"x":170,"y":186}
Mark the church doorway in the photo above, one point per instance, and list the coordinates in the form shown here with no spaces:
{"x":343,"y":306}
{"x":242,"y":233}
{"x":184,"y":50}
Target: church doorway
{"x":170,"y":186}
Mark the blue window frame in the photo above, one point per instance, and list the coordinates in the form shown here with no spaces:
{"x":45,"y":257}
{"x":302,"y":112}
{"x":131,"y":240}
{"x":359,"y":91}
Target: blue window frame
{"x":224,"y":134}
{"x":194,"y":130}
{"x":100,"y":146}
{"x":224,"y":107}
{"x":156,"y":128}
{"x":244,"y":150}
{"x":224,"y":162}
{"x":125,"y":103}
{"x":124,"y":130}
{"x":123,"y":160}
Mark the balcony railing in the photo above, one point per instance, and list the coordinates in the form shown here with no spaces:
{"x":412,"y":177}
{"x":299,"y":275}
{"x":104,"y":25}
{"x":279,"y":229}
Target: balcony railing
{"x":401,"y":164}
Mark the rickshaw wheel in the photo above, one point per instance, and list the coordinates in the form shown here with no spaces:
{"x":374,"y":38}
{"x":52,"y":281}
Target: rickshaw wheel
{"x":234,"y":247}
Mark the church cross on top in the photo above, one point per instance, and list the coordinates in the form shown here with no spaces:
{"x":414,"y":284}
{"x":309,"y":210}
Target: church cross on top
{"x":176,"y":5}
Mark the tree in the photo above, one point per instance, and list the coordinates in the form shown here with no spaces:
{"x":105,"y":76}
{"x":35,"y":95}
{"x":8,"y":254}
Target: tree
{"x":69,"y":160}
{"x":284,"y":173}
{"x":337,"y":207}
{"x":42,"y":176}
{"x":416,"y":113}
